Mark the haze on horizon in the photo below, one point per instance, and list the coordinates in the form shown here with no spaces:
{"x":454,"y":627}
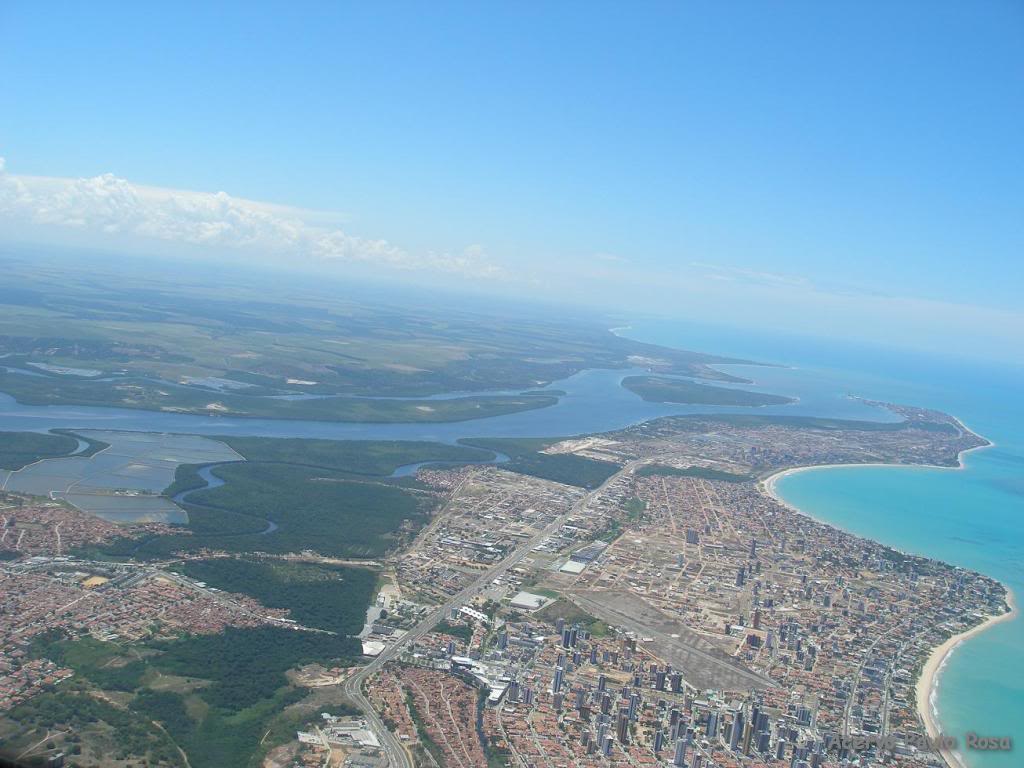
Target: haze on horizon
{"x":853,"y":170}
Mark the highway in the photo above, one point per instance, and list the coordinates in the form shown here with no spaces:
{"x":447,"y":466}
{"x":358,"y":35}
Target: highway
{"x":353,"y":687}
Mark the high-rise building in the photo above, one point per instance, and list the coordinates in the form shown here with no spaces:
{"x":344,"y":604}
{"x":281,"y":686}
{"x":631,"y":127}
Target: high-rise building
{"x":748,"y":735}
{"x":762,"y":721}
{"x":606,"y":745}
{"x":679,"y":758}
{"x":622,"y":727}
{"x":712,"y":725}
{"x":736,"y":731}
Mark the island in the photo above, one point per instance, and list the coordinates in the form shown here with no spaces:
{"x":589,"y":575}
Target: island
{"x":658,"y":389}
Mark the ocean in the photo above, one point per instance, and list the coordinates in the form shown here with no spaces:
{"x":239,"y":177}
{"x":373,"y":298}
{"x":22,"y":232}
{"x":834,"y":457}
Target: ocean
{"x":972,"y":517}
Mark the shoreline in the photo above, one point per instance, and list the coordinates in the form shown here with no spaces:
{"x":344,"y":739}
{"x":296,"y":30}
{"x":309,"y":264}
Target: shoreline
{"x":927,"y":685}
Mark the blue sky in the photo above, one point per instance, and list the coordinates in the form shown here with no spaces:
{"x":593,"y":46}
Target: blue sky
{"x":852,"y":168}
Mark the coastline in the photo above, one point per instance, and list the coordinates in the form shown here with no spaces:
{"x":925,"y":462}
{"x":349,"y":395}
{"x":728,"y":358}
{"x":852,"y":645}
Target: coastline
{"x":926,"y":687}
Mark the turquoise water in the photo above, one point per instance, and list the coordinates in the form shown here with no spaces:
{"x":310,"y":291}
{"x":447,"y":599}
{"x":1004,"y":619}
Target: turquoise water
{"x":972,"y":517}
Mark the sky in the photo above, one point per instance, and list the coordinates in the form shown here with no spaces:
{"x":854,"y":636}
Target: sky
{"x":848,"y":169}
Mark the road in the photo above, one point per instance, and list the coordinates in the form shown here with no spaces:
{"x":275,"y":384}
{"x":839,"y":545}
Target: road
{"x":353,"y":687}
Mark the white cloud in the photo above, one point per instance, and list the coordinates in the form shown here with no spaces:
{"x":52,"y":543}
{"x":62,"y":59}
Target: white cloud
{"x":109,"y":206}
{"x":612,"y":258}
{"x":726,"y":273}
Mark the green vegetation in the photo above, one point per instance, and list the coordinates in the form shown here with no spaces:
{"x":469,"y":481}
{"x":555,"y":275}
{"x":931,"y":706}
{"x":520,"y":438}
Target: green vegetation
{"x":18,"y":449}
{"x":461,"y":631}
{"x":334,"y":497}
{"x":635,"y":507}
{"x":611,"y":531}
{"x":657,"y":389}
{"x":248,"y":665}
{"x":661,"y":470}
{"x":362,"y":457}
{"x":314,"y":509}
{"x":497,"y":757}
{"x":422,"y":733}
{"x":145,"y":394}
{"x":167,"y":708}
{"x":526,"y":458}
{"x":566,"y":609}
{"x":186,"y":478}
{"x":136,"y":736}
{"x":108,"y":665}
{"x":323,"y":596}
{"x":237,"y":692}
{"x":92,"y":445}
{"x":223,"y":723}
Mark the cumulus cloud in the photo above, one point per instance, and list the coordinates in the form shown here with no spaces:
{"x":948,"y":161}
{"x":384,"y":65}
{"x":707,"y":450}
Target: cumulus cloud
{"x":109,"y":206}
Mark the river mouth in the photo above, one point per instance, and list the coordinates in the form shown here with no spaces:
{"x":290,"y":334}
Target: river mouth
{"x":593,"y":401}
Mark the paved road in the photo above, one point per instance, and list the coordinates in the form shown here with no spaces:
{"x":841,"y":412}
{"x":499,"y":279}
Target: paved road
{"x":353,"y":687}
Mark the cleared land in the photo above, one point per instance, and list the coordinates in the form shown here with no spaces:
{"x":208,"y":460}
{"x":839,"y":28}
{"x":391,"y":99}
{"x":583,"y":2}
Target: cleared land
{"x":526,"y":458}
{"x":701,"y":472}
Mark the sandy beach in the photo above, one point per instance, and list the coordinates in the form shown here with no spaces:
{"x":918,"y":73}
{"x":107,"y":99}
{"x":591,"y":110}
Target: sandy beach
{"x":927,"y":684}
{"x":768,"y":483}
